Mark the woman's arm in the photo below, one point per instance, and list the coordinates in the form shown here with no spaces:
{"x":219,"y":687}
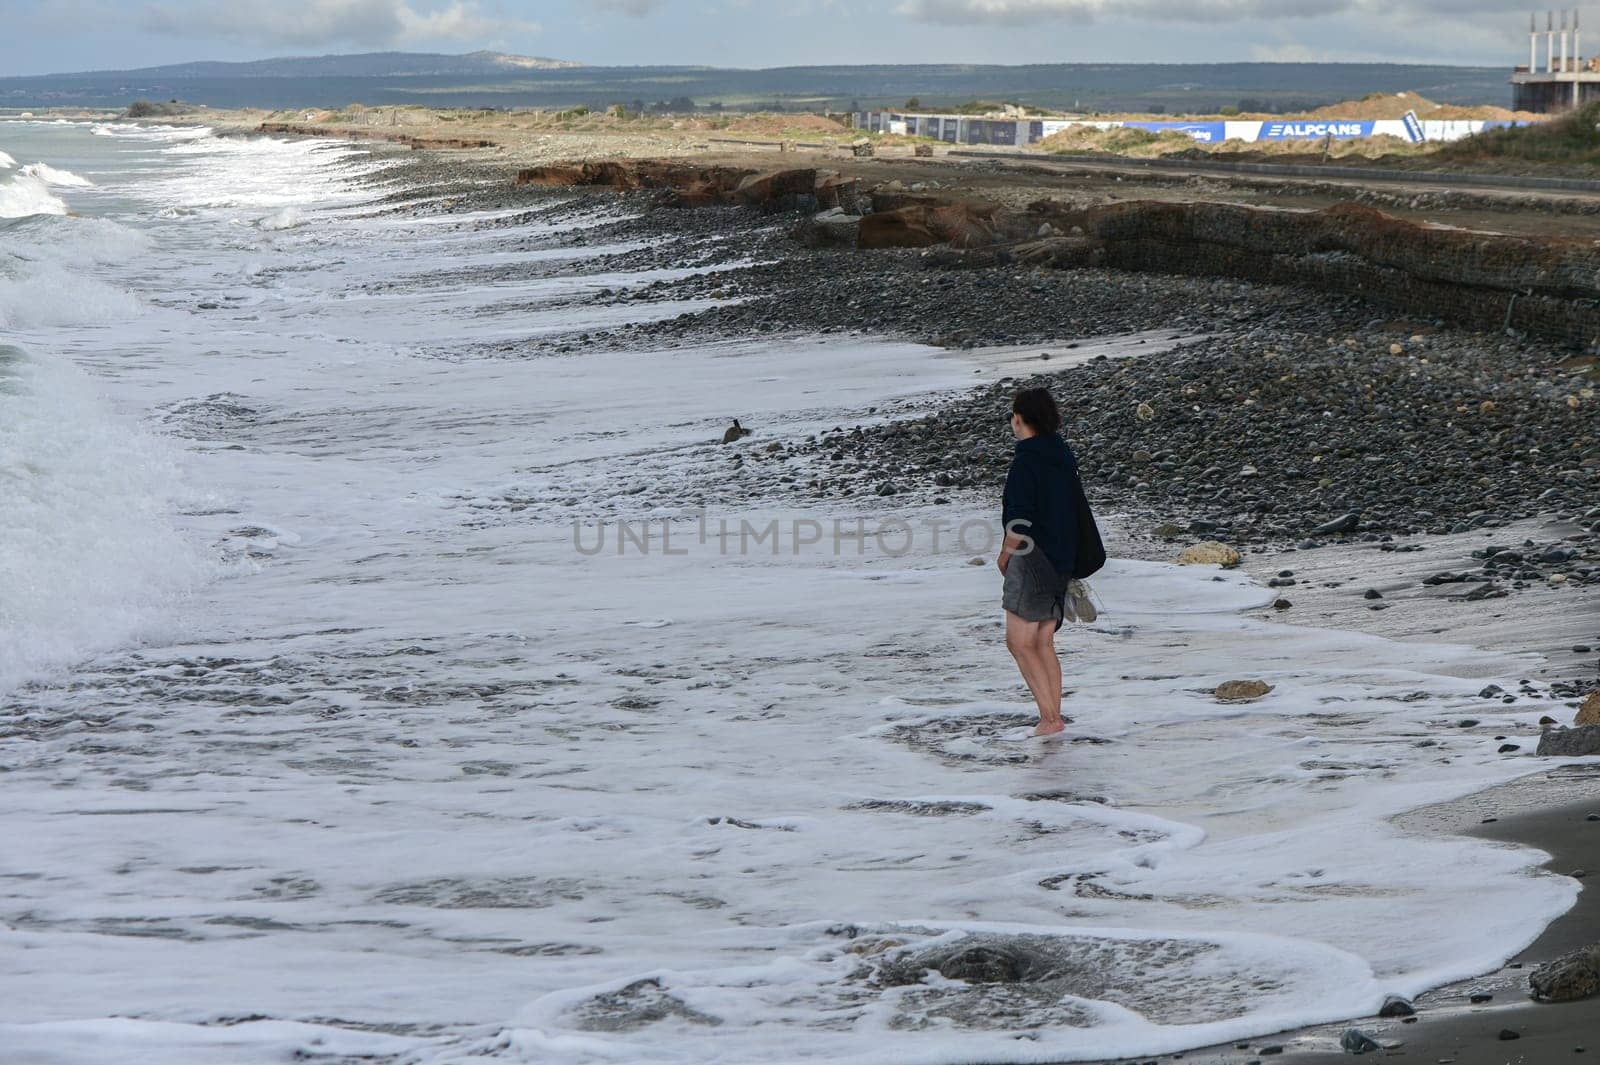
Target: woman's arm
{"x":1018,"y":509}
{"x":1012,"y":544}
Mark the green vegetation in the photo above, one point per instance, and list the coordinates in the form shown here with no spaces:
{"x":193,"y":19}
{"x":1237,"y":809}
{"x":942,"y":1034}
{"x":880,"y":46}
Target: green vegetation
{"x":151,"y":109}
{"x":1572,"y":138}
{"x":1118,"y":140}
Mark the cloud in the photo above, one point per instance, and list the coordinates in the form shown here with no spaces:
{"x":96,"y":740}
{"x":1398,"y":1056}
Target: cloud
{"x":1286,"y":53}
{"x":1033,"y":11}
{"x":326,"y":22}
{"x":631,"y":8}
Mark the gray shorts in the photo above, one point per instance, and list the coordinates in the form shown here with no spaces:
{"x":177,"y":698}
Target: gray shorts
{"x":1033,"y":590}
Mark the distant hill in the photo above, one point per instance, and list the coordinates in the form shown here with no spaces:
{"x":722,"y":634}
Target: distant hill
{"x":491,"y":79}
{"x":362,"y":65}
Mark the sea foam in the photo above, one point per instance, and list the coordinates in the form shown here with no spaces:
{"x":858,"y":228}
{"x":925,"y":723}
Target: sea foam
{"x":25,"y":194}
{"x":288,"y":218}
{"x":86,"y":548}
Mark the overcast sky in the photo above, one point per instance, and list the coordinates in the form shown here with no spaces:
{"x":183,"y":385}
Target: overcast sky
{"x":43,"y":36}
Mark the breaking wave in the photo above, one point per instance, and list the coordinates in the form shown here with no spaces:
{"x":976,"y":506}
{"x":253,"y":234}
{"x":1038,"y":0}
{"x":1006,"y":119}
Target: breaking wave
{"x":50,"y":175}
{"x":86,"y":547}
{"x":26,"y":195}
{"x":288,"y":218}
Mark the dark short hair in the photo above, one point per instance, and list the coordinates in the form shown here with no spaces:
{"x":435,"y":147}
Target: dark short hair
{"x":1038,"y":409}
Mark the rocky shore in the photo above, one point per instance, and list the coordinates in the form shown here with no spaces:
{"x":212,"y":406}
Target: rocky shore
{"x":1292,"y":419}
{"x":1296,"y":419}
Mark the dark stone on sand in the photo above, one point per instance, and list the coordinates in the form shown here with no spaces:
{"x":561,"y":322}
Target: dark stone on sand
{"x":1467,"y":722}
{"x":1396,"y":1006}
{"x":638,"y":1005}
{"x":1281,"y":604}
{"x":1355,"y":1041}
{"x":982,"y":965}
{"x":1570,"y":742}
{"x":1372,"y":593}
{"x":1480,"y":998}
{"x":1507,"y":748}
{"x":1342,"y":524}
{"x":1508,"y":1034}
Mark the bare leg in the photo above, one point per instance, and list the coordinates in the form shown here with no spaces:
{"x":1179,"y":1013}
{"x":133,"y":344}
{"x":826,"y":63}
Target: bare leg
{"x":1023,"y":640}
{"x":1050,"y":664}
{"x":1019,"y":641}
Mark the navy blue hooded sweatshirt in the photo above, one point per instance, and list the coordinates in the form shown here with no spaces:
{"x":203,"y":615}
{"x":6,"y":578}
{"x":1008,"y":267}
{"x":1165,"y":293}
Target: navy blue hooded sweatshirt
{"x":1042,"y":489}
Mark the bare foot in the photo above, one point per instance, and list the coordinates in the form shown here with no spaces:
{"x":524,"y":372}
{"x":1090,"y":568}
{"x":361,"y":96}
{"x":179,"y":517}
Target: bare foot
{"x":1049,"y":728}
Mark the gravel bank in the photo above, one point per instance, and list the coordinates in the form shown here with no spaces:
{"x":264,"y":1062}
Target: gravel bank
{"x":1297,"y":420}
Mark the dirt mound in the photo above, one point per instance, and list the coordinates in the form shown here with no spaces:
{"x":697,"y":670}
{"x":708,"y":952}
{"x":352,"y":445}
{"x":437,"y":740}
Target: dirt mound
{"x":774,"y":124}
{"x":1120,"y":140}
{"x":1377,"y":105}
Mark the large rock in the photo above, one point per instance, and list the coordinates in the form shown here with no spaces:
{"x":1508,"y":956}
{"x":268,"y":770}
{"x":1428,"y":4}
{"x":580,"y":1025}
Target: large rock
{"x":1589,"y":710}
{"x":907,"y":227}
{"x":962,"y":225}
{"x":1208,"y":553}
{"x":775,"y":187}
{"x":1238,"y":691}
{"x":831,"y":228}
{"x":1570,"y":742}
{"x":1571,"y":976}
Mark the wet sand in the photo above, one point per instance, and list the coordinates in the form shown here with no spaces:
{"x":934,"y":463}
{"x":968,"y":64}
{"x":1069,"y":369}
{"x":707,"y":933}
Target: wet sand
{"x":1550,"y":811}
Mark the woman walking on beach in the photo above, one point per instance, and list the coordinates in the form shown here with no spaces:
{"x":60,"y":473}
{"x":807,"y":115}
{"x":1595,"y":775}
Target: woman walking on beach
{"x":1041,"y":511}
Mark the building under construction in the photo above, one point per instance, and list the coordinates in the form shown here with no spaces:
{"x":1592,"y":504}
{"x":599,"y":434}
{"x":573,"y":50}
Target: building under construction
{"x":1557,"y":78}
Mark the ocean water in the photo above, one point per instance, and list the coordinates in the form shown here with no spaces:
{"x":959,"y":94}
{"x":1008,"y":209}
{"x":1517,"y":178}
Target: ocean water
{"x":327,"y":728}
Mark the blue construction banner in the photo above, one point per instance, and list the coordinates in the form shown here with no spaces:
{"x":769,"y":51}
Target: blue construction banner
{"x":1308,"y":129}
{"x":1414,"y":132}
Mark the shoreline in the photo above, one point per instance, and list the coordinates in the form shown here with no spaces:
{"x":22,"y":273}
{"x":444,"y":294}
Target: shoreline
{"x":1448,"y":1026}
